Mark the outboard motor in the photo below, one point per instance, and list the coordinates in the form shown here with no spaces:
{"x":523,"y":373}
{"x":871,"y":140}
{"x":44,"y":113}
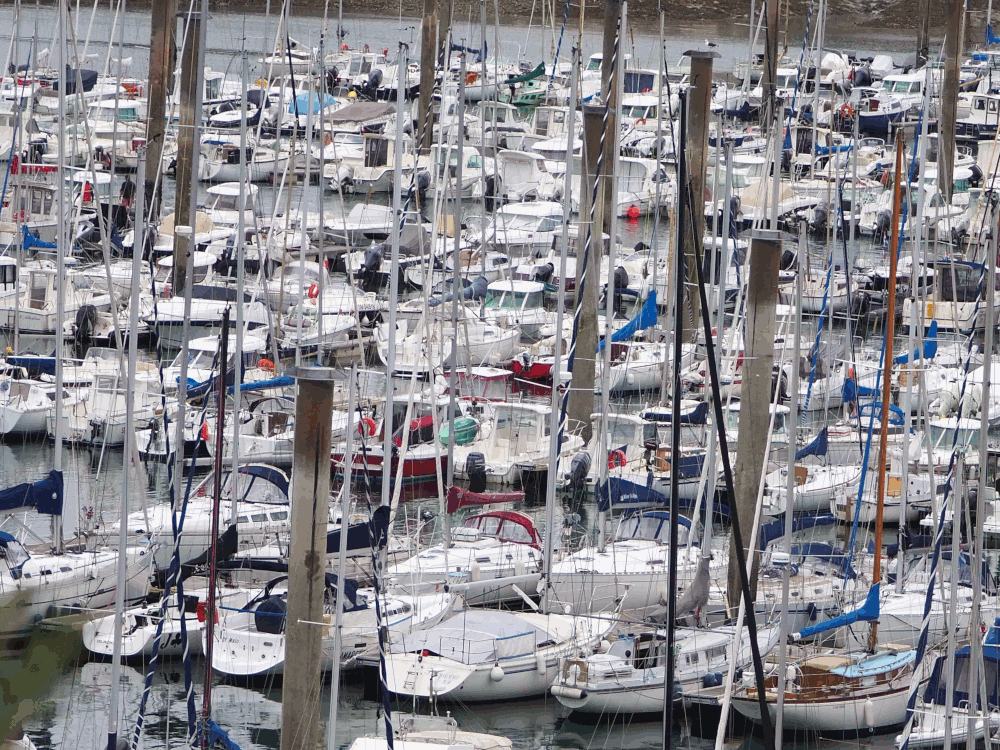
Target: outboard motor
{"x":883,"y":222}
{"x":789,"y":260}
{"x":369,"y":269}
{"x":579,"y":468}
{"x":977,"y":175}
{"x":420,"y":185}
{"x":821,"y":216}
{"x":620,"y":285}
{"x":492,"y":198}
{"x":475,"y":469}
{"x":863,"y":76}
{"x":332,"y":74}
{"x":86,"y":322}
{"x":544,"y":273}
{"x":370,"y":87}
{"x":269,"y":617}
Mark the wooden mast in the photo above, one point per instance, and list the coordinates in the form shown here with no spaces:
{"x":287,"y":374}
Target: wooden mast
{"x":889,"y":331}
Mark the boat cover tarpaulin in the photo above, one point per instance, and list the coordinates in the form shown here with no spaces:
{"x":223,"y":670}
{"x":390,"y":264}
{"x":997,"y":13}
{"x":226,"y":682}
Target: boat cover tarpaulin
{"x":45,"y":496}
{"x":621,"y":493}
{"x":460,"y":498}
{"x":529,"y":76}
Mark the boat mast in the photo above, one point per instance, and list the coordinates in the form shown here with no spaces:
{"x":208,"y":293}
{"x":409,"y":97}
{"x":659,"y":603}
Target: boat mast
{"x":555,"y":417}
{"x":890,"y":325}
{"x":612,"y":99}
{"x":57,"y":529}
{"x":338,"y":612}
{"x":792,"y":423}
{"x":213,"y":547}
{"x":241,"y":243}
{"x":130,"y":448}
{"x":975,"y":544}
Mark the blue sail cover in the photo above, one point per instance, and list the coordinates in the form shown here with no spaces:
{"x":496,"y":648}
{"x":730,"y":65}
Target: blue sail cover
{"x":698,"y":415}
{"x":28,"y":240}
{"x":776,"y":529}
{"x":865,"y":613}
{"x":45,"y":496}
{"x":262,"y":385}
{"x":929,"y":350}
{"x":645,"y":319}
{"x":990,"y":38}
{"x":818,"y":447}
{"x":621,"y":493}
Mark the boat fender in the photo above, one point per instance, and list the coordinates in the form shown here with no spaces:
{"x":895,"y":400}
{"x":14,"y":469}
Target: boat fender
{"x":870,"y":715}
{"x":314,"y":291}
{"x":568,"y":608}
{"x":540,"y":664}
{"x":474,"y":572}
{"x":496,"y":674}
{"x":562,"y":691}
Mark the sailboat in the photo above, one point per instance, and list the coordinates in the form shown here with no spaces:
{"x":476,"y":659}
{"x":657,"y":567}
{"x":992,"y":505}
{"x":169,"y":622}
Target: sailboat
{"x":933,"y":716}
{"x":35,"y":585}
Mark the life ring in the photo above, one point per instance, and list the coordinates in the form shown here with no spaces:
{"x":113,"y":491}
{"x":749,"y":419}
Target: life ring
{"x":314,"y":291}
{"x":616,"y":458}
{"x":846,"y":111}
{"x":266,"y":364}
{"x":367,"y":425}
{"x":204,"y":432}
{"x":641,"y":121}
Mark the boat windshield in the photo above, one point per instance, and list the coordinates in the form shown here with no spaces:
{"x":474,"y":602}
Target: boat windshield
{"x":650,"y":528}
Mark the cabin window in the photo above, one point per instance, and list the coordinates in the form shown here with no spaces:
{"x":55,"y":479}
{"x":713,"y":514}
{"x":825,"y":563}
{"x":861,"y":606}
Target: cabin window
{"x":638,"y":83}
{"x":541,"y":122}
{"x":127,"y":115}
{"x":489,"y":526}
{"x":992,"y":106}
{"x":475,"y":162}
{"x":65,"y":569}
{"x":200,"y":272}
{"x":715,"y":652}
{"x":485,"y":559}
{"x":966,"y":278}
{"x":594,"y":64}
{"x":8,"y":274}
{"x":281,"y":515}
{"x":213,"y":88}
{"x":242,"y":519}
{"x":36,"y":201}
{"x":258,"y":517}
{"x":515,"y":532}
{"x":979,"y":104}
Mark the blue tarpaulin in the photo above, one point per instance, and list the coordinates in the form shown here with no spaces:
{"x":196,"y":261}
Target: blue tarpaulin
{"x":45,"y":496}
{"x":260,"y":385}
{"x":645,"y":319}
{"x":990,"y":38}
{"x":302,"y":103}
{"x":817,"y":447}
